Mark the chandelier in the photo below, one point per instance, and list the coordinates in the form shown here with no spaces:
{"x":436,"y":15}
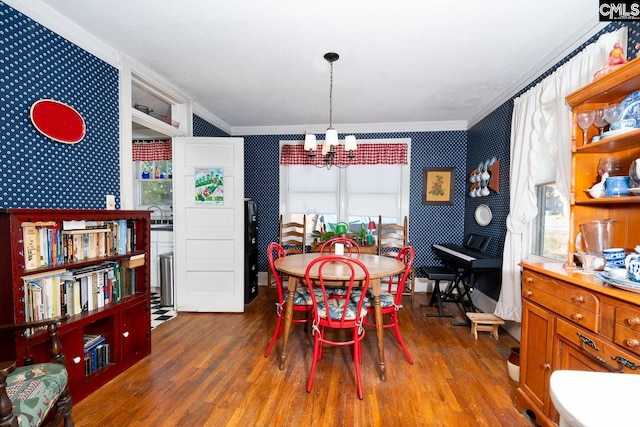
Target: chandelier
{"x":331,"y":137}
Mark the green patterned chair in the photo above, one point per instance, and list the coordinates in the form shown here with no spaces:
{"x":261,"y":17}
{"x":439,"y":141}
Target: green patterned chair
{"x":28,"y":393}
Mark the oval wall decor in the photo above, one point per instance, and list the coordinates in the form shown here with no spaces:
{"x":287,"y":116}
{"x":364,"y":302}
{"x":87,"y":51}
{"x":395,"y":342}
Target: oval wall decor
{"x":58,"y":121}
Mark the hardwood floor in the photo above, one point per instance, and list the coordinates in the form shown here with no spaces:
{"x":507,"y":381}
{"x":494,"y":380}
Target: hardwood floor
{"x":209,"y":369}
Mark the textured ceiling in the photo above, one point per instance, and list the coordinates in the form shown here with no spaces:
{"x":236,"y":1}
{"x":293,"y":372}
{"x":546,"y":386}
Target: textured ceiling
{"x":259,"y":64}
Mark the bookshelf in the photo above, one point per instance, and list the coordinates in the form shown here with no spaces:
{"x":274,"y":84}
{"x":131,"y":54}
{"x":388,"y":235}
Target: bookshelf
{"x":93,"y":267}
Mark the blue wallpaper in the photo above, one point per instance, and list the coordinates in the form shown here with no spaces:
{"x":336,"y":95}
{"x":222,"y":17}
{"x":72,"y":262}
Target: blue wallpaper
{"x":427,"y":224}
{"x":203,"y":128}
{"x":37,"y":172}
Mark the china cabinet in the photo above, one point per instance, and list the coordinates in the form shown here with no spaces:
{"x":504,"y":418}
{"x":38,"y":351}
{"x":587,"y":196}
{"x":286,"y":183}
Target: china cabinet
{"x":608,"y":90}
{"x":572,"y":320}
{"x":113,"y":304}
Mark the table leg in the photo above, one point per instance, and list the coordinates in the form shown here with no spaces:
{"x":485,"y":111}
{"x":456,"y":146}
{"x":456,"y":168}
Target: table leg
{"x":288,"y":315}
{"x":375,"y":285}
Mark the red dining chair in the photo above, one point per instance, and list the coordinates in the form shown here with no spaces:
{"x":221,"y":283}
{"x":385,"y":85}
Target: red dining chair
{"x":331,"y":312}
{"x":350,"y":246}
{"x":391,"y":299}
{"x":301,"y":299}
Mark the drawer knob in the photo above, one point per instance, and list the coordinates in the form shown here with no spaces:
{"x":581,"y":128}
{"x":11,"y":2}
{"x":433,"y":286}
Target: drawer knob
{"x":578,"y":299}
{"x":528,"y":280}
{"x":547,"y":366}
{"x":125,"y":334}
{"x":633,"y":321}
{"x":77,"y":359}
{"x":631,"y":342}
{"x":528,"y":293}
{"x":576,"y":316}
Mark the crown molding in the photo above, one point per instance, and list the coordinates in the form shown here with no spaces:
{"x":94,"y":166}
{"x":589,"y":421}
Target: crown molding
{"x":61,"y":25}
{"x":453,"y":125}
{"x":204,"y":114}
{"x":572,"y":43}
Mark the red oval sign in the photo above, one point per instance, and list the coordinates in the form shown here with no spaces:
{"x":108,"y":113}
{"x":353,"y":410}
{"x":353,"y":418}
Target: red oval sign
{"x":58,"y":121}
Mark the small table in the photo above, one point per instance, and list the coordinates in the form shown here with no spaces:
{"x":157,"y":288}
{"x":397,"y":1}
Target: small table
{"x":295,"y":267}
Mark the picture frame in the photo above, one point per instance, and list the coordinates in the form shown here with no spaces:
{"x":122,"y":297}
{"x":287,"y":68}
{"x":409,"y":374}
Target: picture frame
{"x":438,"y":186}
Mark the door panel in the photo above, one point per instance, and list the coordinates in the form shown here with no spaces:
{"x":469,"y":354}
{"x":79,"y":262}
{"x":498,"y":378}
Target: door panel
{"x":209,"y":237}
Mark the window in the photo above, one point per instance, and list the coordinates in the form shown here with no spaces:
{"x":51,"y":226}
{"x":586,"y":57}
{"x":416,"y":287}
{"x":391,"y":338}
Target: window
{"x":153,"y":173}
{"x":550,"y":235}
{"x":154,"y":184}
{"x":356,"y":194}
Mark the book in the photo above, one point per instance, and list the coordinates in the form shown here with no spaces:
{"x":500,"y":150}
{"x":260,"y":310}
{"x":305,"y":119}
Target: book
{"x":91,"y":341}
{"x":30,"y":247}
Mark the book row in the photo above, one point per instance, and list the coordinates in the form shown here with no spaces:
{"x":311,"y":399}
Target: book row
{"x":48,"y":243}
{"x":68,"y":292}
{"x":96,"y":357}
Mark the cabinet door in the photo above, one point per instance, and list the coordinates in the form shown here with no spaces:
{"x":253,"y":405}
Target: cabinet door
{"x":135,"y":330}
{"x":537,"y":348}
{"x":73,"y":347}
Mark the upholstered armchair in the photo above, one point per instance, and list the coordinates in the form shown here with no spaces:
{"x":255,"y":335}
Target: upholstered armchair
{"x":28,"y":393}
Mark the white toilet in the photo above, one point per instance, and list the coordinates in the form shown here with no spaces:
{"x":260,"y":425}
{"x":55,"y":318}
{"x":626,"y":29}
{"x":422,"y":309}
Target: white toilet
{"x":594,"y":399}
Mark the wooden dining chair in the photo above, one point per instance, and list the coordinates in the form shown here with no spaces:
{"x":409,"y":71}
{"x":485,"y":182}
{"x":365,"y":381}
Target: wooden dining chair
{"x":33,"y":394}
{"x":292,"y":236}
{"x":391,"y":239}
{"x":391,"y":299}
{"x":332,"y":312}
{"x":350,"y":246}
{"x":301,"y":300}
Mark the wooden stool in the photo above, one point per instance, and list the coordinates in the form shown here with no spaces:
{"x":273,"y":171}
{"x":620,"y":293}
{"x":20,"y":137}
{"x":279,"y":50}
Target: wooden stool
{"x":484,"y":322}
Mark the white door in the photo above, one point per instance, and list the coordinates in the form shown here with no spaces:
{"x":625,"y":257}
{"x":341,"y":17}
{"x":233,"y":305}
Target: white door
{"x":209,"y":234}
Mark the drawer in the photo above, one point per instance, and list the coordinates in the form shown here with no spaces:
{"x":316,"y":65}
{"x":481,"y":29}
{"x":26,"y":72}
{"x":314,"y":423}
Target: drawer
{"x":608,"y":355}
{"x":584,"y":318}
{"x":627,"y":338}
{"x":628,"y":316}
{"x":571,"y":294}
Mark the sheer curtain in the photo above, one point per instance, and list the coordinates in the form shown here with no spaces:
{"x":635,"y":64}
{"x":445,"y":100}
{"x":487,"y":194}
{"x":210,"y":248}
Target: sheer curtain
{"x":541,"y":122}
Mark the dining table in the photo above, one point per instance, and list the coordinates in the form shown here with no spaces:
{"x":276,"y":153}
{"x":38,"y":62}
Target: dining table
{"x":295,"y":267}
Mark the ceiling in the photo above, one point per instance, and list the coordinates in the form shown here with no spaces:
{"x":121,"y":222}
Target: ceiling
{"x":258,"y":66}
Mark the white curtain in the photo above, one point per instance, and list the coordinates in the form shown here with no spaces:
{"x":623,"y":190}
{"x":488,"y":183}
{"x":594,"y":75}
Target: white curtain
{"x":525,"y":129}
{"x":541,"y":123}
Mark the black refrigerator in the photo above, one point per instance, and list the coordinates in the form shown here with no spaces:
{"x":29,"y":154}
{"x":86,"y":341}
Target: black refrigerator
{"x":250,"y":250}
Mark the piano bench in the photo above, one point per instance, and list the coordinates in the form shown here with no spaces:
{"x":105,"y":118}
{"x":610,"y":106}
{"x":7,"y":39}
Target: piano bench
{"x":437,"y":274}
{"x":486,"y":322}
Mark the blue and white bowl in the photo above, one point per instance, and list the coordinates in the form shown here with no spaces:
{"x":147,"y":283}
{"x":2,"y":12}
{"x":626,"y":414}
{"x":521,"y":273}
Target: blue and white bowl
{"x":630,"y":113}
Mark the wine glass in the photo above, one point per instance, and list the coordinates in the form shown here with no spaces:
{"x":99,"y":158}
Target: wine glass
{"x":585,"y":120}
{"x":600,"y":121}
{"x":610,"y":165}
{"x":612,"y":113}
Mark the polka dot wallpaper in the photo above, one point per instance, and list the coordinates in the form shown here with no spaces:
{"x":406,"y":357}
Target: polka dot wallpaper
{"x":427,"y":224}
{"x":35,"y":171}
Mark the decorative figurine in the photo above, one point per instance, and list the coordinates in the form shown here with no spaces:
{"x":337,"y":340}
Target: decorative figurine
{"x":616,"y":58}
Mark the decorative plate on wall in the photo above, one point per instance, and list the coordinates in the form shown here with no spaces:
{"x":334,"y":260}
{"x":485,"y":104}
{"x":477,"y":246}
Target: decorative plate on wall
{"x":58,"y":121}
{"x":483,"y":215}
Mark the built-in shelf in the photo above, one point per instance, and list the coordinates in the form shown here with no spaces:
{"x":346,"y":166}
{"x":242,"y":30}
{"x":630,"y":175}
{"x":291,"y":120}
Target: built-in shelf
{"x":149,"y":122}
{"x":623,"y":141}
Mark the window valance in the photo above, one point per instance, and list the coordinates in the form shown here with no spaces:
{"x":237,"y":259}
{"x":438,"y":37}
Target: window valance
{"x":149,"y":151}
{"x":366,"y":154}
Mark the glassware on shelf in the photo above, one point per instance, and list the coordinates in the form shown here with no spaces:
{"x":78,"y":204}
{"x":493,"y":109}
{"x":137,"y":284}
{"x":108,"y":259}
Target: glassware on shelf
{"x":610,"y":165}
{"x":585,"y":120}
{"x":612,"y":113}
{"x":600,"y":121}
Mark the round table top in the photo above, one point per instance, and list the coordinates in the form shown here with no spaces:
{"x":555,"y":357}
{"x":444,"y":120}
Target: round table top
{"x":378,"y":266}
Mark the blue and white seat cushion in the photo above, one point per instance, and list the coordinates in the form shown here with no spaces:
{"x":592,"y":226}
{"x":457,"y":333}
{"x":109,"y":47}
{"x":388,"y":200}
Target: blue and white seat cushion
{"x":336,"y":308}
{"x":386,"y":298}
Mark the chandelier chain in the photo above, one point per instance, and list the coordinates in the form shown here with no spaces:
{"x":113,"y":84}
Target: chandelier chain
{"x":331,"y":98}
